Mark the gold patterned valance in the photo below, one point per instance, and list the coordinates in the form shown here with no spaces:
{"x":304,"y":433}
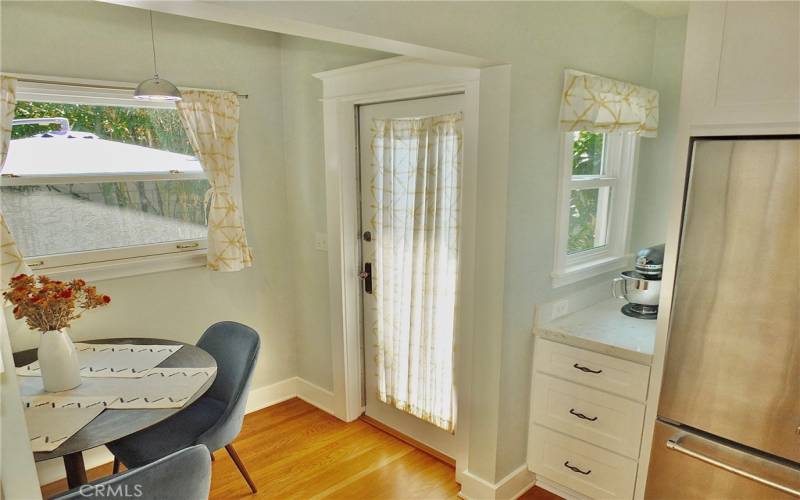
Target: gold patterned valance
{"x":598,"y":104}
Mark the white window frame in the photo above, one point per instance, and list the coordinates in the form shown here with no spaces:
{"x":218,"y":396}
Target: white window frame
{"x":117,"y":262}
{"x":620,"y":155}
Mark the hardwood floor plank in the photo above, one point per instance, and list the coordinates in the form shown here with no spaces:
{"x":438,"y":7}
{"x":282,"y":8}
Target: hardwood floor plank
{"x":295,"y":451}
{"x":414,"y":475}
{"x":340,"y":484}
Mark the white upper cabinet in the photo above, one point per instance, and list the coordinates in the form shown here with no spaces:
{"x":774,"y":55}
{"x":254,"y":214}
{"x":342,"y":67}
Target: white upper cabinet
{"x":742,"y":67}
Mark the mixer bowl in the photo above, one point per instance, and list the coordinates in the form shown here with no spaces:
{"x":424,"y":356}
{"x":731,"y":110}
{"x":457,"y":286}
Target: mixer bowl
{"x":634,"y":288}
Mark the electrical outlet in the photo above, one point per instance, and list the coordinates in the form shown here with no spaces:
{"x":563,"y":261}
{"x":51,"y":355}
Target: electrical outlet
{"x":560,"y":308}
{"x":321,"y":242}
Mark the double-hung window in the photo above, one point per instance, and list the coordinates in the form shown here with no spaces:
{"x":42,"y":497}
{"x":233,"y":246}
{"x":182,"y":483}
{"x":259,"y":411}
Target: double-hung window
{"x":594,"y":204}
{"x":99,"y":184}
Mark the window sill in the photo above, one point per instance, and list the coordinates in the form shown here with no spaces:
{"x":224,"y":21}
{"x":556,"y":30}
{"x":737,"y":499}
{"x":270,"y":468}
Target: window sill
{"x":121,"y":268}
{"x":580,"y":272}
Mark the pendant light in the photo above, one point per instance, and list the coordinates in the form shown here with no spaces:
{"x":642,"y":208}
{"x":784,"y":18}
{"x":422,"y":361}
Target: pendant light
{"x":156,"y":89}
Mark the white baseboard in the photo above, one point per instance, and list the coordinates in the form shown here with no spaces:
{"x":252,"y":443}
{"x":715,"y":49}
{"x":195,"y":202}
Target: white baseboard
{"x":294,"y":387}
{"x":272,"y":394}
{"x":510,"y":487}
{"x":259,"y":398}
{"x":53,"y":470}
{"x":315,"y":395}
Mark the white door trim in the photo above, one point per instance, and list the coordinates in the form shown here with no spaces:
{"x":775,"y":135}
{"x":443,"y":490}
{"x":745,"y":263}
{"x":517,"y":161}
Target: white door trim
{"x":396,"y":79}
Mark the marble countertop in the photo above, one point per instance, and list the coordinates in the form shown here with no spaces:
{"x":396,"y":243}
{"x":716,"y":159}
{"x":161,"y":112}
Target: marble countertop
{"x":603,"y":328}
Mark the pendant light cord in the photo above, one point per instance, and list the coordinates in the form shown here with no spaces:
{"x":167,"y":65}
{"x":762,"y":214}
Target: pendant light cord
{"x":153,"y":41}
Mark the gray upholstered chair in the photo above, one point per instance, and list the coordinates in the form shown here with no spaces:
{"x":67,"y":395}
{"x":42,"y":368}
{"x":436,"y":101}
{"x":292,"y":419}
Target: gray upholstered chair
{"x":183,"y":475}
{"x":215,"y":419}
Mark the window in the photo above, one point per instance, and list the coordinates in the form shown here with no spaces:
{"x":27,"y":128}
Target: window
{"x":594,"y":204}
{"x":96,"y":181}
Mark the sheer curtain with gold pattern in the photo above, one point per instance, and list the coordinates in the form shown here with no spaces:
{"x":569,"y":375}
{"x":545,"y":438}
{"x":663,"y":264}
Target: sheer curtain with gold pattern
{"x":416,"y":190}
{"x":211,"y":121}
{"x":11,"y":261}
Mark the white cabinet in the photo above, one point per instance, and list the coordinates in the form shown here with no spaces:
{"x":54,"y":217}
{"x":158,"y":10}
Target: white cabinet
{"x":609,"y":421}
{"x":587,"y":413}
{"x":590,"y":470}
{"x":742,"y":66}
{"x":614,"y":375}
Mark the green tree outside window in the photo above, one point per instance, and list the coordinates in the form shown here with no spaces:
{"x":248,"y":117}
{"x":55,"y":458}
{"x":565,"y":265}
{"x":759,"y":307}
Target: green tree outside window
{"x":587,"y":159}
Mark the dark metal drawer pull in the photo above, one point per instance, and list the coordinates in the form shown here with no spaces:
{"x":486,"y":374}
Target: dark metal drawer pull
{"x":584,"y":369}
{"x":581,"y":415}
{"x":575,"y":469}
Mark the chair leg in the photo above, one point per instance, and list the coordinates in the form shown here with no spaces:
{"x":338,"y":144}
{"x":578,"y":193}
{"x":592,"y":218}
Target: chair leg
{"x":240,"y":466}
{"x":116,"y":465}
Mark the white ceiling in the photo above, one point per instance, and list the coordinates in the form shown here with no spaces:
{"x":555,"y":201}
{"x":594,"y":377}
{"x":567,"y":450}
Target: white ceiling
{"x":662,"y":8}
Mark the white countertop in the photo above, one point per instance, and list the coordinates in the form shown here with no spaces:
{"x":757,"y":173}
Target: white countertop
{"x":603,"y":328}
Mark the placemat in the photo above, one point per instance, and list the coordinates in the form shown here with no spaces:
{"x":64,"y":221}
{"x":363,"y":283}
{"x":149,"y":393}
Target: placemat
{"x":112,"y":360}
{"x":159,"y":388}
{"x":49,"y":427}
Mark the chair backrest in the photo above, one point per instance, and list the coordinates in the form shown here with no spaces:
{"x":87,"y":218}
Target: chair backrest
{"x":235,"y":347}
{"x":183,"y":475}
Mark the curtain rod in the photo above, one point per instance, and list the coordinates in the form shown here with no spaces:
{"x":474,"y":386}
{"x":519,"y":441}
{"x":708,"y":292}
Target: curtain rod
{"x":101,"y":86}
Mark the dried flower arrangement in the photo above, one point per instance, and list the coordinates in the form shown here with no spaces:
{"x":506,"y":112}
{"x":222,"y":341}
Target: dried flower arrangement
{"x":48,"y":304}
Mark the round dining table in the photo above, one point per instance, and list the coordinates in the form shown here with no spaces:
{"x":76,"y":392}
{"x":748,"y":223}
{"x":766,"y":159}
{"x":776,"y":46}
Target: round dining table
{"x":111,"y":425}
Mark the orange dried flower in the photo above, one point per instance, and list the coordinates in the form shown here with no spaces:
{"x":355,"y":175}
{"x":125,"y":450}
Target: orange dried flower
{"x":51,"y":304}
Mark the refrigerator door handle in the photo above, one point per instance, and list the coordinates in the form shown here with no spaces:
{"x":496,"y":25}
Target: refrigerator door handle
{"x":674,"y":443}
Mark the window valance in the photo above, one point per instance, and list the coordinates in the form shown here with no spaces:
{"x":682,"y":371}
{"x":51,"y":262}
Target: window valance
{"x":598,"y":104}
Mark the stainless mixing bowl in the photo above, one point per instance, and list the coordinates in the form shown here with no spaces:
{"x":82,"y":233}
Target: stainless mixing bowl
{"x":634,"y":288}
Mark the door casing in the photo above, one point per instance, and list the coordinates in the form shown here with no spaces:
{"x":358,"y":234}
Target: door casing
{"x":486,"y":90}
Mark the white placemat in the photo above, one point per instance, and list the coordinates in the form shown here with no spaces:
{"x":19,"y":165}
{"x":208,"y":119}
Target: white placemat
{"x":159,"y":388}
{"x":49,"y":427}
{"x":112,"y":360}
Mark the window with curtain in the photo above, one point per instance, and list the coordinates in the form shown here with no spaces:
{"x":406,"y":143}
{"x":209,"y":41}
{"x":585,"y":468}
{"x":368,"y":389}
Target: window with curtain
{"x":96,"y":176}
{"x":601,"y":121}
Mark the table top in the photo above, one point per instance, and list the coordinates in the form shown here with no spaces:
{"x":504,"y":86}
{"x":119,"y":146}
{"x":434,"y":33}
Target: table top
{"x":111,"y":425}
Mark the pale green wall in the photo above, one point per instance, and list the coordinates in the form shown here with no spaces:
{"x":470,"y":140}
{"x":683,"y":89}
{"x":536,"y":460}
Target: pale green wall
{"x":539,"y":40}
{"x":305,"y":188}
{"x":287,"y":291}
{"x":657,"y":156}
{"x":94,"y":40}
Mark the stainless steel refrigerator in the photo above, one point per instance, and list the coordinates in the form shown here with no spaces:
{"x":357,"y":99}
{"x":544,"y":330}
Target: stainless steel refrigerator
{"x":729,"y":412}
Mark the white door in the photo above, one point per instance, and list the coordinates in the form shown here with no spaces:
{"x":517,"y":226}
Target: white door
{"x":411,"y":157}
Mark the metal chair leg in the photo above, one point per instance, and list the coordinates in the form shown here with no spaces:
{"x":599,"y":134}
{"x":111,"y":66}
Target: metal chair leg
{"x":241,"y":467}
{"x":116,"y":465}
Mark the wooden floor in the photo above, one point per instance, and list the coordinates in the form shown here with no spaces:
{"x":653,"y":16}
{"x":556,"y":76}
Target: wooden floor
{"x":296,"y":451}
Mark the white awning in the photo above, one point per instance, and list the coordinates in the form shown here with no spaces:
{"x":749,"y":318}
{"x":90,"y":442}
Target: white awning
{"x":72,"y":154}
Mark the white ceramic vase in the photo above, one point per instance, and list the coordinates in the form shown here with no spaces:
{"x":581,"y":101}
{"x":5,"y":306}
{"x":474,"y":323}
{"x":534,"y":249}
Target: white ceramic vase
{"x":58,"y":361}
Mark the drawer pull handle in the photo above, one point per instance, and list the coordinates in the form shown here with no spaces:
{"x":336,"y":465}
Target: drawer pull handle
{"x":581,"y":415}
{"x":585,"y":369}
{"x":575,"y":469}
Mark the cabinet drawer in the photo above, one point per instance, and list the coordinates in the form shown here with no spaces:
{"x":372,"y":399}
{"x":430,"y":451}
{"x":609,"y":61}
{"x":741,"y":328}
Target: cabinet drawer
{"x":585,"y":468}
{"x":615,"y":375}
{"x":600,"y":418}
